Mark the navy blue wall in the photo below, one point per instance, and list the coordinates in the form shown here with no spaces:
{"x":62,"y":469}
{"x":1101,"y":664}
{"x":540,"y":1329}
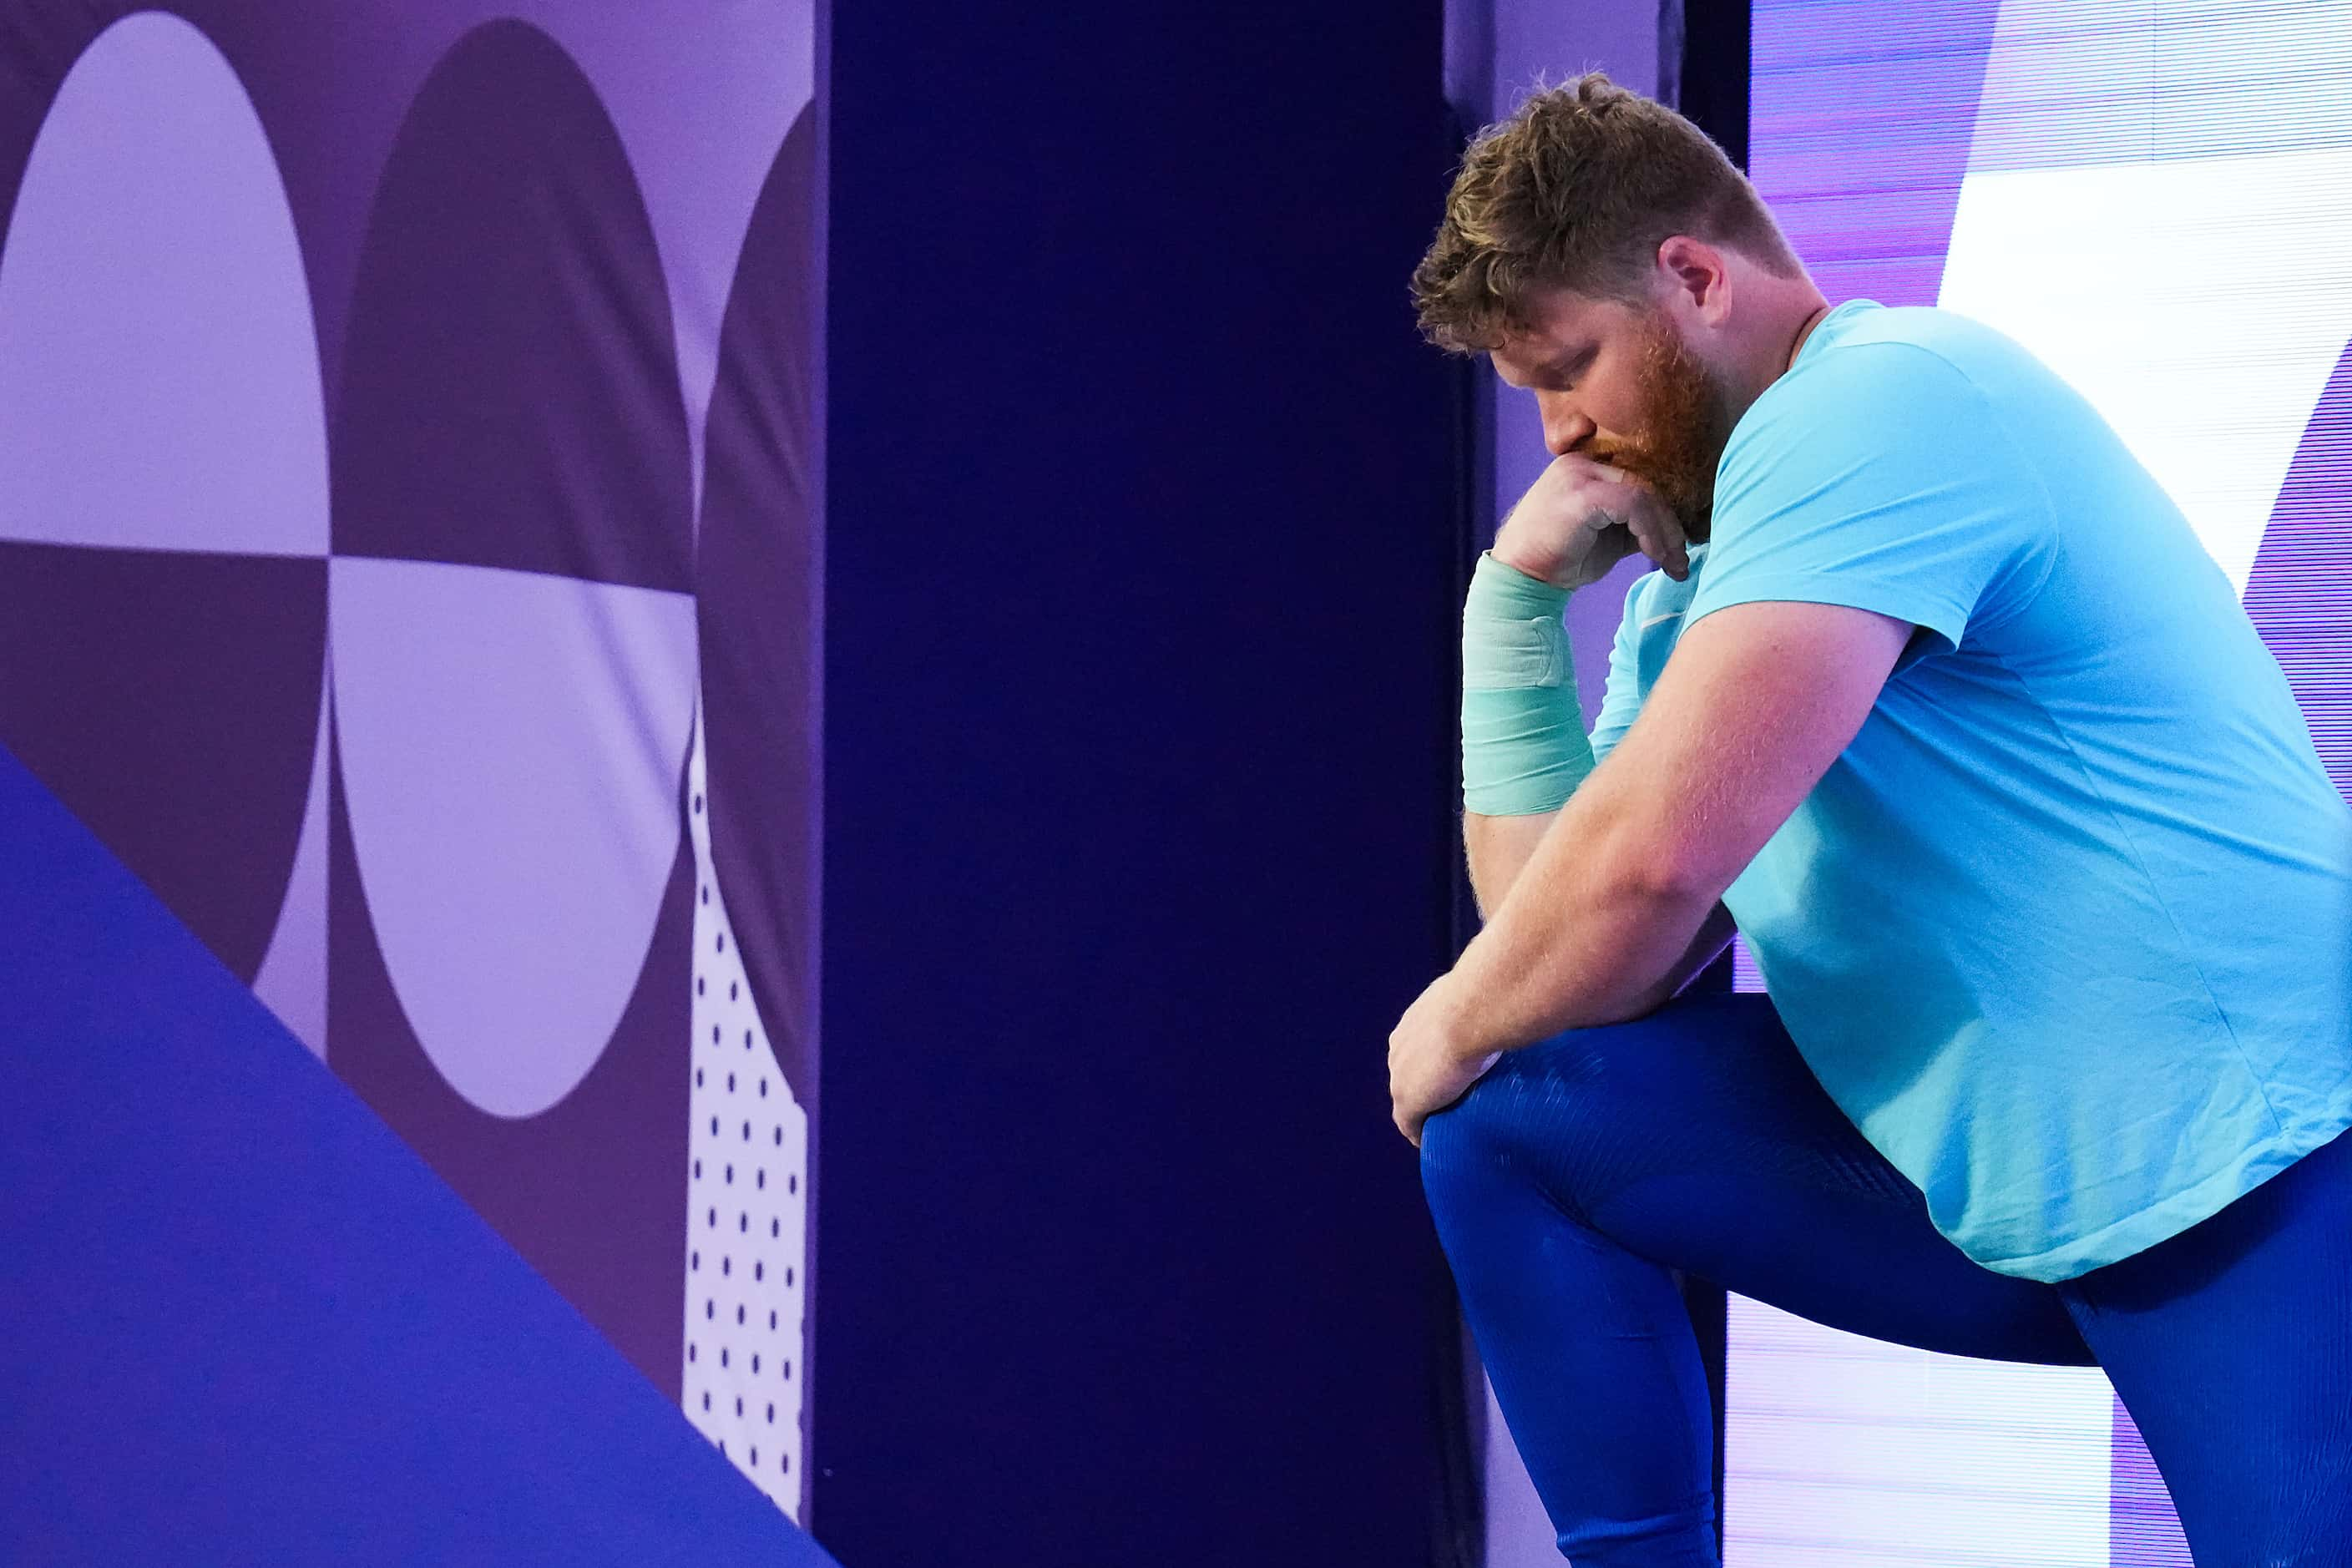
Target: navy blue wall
{"x":1143,"y":547}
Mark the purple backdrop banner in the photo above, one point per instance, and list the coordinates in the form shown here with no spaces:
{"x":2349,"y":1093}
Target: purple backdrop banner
{"x":410,"y":568}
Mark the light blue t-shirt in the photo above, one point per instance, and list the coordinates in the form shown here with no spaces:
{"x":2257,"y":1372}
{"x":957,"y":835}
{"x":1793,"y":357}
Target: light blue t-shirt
{"x":2067,"y":930}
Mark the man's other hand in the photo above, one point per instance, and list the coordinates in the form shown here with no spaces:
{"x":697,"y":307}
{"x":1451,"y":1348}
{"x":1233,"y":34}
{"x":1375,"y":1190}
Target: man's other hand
{"x":1428,"y":1069}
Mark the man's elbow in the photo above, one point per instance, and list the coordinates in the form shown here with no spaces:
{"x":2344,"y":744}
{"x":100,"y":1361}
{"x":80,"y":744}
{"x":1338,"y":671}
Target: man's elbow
{"x":1665,"y":872}
{"x":1647,"y":854}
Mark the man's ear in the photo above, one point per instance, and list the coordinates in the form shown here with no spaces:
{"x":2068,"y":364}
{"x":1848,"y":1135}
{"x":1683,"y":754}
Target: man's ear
{"x":1698,"y":274}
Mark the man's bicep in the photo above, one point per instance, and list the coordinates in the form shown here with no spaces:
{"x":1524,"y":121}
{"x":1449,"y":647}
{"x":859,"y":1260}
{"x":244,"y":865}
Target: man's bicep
{"x":1755,"y":704}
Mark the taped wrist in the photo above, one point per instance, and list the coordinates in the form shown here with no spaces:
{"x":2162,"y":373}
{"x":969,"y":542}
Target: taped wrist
{"x":1524,"y":748}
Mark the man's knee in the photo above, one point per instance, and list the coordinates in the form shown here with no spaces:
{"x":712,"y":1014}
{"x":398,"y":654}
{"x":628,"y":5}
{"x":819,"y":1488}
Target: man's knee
{"x":1517,"y":1120}
{"x":1564,"y":1112}
{"x":1457,"y":1137}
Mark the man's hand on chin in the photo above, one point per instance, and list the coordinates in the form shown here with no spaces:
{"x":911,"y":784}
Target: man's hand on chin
{"x":1430,"y":1065}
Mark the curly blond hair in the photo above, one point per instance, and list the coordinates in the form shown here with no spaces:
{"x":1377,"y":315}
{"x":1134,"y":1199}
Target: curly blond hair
{"x":1577,"y":190}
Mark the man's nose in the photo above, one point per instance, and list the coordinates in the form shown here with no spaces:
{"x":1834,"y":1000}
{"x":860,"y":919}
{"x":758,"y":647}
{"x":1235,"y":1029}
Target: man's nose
{"x":1565,"y":431}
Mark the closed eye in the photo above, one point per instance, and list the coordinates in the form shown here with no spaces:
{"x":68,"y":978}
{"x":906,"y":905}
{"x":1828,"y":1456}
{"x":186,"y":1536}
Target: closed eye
{"x":1567,"y":371}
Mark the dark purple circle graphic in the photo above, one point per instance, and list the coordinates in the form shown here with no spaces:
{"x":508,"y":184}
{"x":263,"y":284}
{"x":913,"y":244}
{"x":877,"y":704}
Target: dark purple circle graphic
{"x":175,"y":714}
{"x":512,"y":894}
{"x":2295,"y":593}
{"x":511,"y":389}
{"x":757,"y":590}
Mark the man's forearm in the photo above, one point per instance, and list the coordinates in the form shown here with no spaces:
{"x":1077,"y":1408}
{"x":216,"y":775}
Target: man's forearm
{"x":1523,"y":748}
{"x":1497,"y":849}
{"x":1585,"y":934}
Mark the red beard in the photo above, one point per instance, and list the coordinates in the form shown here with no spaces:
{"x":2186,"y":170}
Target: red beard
{"x":1683,"y":439}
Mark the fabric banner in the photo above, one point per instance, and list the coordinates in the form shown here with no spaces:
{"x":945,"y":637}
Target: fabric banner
{"x":410,"y":568}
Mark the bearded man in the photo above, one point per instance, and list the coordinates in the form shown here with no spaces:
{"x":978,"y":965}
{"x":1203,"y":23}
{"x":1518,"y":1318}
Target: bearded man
{"x":1934,"y":694}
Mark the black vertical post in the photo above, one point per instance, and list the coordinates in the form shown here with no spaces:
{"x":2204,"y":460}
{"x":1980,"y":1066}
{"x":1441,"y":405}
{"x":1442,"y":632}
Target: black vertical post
{"x":1714,"y":71}
{"x":1461,"y":1413}
{"x":1711,"y":77}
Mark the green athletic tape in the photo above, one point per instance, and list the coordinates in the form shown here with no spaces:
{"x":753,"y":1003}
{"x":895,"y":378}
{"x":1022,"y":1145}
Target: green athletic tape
{"x":1524,"y":749}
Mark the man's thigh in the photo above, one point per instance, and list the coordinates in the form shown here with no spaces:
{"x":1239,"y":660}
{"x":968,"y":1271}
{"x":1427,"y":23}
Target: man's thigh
{"x":1697,"y":1138}
{"x":2231,"y":1344}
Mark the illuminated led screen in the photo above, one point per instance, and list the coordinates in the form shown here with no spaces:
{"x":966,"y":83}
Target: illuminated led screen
{"x":2155,"y":197}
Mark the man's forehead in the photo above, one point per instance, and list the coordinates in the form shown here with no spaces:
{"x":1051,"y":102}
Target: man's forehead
{"x":1555,"y":311}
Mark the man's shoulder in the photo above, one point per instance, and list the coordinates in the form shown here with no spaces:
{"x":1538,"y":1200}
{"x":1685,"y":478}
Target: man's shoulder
{"x":1912,"y":348}
{"x":1893,"y":375}
{"x":1928,"y":327}
{"x":1897,"y":409}
{"x":1919,"y":349}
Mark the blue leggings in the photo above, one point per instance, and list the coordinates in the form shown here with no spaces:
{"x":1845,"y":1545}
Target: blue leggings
{"x":1570,"y":1180}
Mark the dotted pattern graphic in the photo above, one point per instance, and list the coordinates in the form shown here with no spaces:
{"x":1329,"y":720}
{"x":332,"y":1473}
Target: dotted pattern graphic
{"x":747,"y":1221}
